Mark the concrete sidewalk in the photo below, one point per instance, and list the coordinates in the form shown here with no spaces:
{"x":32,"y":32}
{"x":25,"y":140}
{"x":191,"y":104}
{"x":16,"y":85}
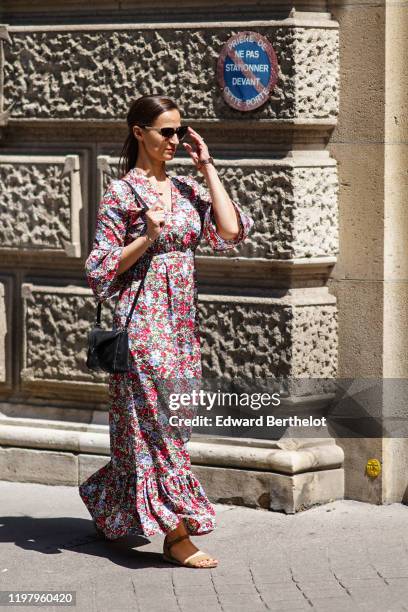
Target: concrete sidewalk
{"x":343,"y":556}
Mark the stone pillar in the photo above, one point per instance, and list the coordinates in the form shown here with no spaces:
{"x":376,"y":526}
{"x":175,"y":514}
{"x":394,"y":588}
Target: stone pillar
{"x":370,"y":278}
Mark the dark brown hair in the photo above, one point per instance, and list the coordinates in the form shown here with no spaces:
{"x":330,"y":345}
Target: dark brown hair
{"x":143,"y":111}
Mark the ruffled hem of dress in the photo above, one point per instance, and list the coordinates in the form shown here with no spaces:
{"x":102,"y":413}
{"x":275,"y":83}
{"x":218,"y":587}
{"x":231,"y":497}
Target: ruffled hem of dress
{"x":126,"y":505}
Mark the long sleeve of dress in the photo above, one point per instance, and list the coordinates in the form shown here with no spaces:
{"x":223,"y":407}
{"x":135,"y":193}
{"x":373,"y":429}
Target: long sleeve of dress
{"x":103,"y":260}
{"x":204,"y":205}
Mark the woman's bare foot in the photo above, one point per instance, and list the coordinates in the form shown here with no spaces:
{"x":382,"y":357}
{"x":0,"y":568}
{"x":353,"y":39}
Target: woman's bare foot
{"x":185,"y":548}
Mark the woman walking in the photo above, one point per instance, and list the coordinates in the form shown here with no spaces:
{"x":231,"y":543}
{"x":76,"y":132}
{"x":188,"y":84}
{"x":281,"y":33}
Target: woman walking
{"x":148,"y":486}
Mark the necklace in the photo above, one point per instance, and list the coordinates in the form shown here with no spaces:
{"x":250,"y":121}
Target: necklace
{"x":159,"y":192}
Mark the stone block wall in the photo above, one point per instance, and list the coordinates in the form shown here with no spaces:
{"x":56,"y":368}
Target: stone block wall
{"x":65,"y":86}
{"x":41,"y":204}
{"x":99,"y":68}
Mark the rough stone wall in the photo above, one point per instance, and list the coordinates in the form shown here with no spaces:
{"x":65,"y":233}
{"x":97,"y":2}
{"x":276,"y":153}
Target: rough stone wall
{"x":294,"y":205}
{"x":41,"y":204}
{"x":64,"y":94}
{"x":253,"y":338}
{"x":99,"y":71}
{"x":35,"y":206}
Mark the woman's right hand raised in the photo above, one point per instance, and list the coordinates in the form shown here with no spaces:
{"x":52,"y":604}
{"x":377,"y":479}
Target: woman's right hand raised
{"x":155,"y":220}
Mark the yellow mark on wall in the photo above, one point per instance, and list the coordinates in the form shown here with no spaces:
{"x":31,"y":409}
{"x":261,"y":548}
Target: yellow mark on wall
{"x":373,"y":468}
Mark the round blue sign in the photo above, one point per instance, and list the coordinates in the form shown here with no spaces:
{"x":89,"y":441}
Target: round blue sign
{"x":247,"y":70}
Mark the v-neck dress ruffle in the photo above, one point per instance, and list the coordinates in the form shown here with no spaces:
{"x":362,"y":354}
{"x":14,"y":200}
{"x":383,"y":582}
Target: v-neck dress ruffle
{"x":148,"y":484}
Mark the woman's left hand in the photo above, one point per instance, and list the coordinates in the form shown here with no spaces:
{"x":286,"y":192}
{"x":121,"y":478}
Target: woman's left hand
{"x":201,"y":150}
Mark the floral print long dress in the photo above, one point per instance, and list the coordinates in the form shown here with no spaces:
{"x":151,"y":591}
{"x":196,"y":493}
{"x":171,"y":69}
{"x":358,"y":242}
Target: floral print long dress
{"x":148,"y":486}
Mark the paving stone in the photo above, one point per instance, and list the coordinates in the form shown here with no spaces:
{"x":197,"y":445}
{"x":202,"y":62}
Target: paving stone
{"x":48,"y":545}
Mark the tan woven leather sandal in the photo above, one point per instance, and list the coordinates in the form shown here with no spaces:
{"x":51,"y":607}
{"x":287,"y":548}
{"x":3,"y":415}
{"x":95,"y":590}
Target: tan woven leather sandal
{"x":191,"y":561}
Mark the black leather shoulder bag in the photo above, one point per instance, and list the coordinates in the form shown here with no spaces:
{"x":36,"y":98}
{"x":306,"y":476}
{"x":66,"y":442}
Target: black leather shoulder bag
{"x":108,"y":350}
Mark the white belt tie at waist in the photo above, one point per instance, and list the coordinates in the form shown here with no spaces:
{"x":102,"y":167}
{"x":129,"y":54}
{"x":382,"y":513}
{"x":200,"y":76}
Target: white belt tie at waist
{"x":173,"y":254}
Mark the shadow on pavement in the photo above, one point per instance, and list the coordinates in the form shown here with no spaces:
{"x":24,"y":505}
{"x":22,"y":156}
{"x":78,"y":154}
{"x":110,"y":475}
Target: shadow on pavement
{"x":50,"y":536}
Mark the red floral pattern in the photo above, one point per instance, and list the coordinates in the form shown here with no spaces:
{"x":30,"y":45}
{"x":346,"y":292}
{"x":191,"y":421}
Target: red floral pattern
{"x":148,"y":485}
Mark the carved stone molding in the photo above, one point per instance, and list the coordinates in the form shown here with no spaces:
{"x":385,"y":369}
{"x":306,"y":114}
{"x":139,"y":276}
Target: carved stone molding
{"x":7,"y":337}
{"x":294,"y":336}
{"x":113,"y":10}
{"x":56,"y":321}
{"x":292,"y":200}
{"x":90,"y":72}
{"x":4,"y":37}
{"x":3,"y":334}
{"x":41,"y":204}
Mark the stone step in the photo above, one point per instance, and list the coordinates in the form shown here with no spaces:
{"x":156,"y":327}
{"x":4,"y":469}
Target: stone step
{"x":243,"y":472}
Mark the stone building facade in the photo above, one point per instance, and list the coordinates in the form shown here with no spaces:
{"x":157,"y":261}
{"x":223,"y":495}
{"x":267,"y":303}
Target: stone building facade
{"x":307,"y":296}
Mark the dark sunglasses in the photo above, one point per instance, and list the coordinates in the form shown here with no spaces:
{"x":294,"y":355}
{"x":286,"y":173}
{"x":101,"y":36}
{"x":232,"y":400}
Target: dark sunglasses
{"x":168,"y":132}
